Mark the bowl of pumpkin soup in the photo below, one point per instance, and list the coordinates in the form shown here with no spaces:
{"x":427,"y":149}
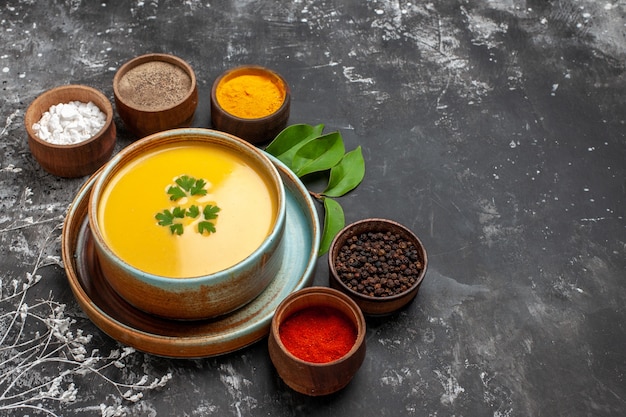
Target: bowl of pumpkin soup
{"x":188,"y":223}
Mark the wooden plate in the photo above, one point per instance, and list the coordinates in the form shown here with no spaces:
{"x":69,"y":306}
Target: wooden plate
{"x":190,"y":339}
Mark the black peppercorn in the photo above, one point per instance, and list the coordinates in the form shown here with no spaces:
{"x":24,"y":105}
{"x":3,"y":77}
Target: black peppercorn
{"x":378,"y":264}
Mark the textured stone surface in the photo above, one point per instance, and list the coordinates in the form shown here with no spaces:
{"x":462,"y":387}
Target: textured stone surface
{"x":495,"y":130}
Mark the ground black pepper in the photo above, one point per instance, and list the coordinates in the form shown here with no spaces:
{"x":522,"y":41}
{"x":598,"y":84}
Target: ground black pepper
{"x":378,"y":264}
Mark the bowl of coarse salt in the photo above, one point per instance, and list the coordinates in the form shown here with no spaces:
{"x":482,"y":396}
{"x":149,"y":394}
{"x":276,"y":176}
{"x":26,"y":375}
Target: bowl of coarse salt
{"x":70,"y":129}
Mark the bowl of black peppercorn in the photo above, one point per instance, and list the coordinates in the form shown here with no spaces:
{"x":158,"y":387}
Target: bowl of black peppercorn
{"x":379,"y":263}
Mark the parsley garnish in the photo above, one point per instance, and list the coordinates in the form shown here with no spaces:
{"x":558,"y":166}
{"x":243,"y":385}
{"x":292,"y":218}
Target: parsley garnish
{"x":186,"y":186}
{"x":210,"y":212}
{"x":168,"y":218}
{"x":193,"y":212}
{"x":176,"y":193}
{"x":206,"y":227}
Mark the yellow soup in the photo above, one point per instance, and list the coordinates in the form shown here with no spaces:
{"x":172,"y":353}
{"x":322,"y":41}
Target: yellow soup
{"x":186,"y":210}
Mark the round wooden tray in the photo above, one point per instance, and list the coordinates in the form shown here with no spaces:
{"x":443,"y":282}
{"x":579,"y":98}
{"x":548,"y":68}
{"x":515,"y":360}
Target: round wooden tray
{"x":190,"y":339}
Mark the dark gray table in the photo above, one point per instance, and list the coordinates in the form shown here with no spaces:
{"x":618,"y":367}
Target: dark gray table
{"x":493,"y":129}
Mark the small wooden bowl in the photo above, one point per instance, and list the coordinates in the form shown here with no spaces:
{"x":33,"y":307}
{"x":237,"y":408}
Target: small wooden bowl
{"x":145,"y":119}
{"x":310,"y":378}
{"x":254,"y":130}
{"x":78,"y":159}
{"x":376,"y":305}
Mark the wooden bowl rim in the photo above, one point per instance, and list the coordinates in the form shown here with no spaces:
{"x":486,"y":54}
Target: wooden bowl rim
{"x":108,"y":110}
{"x":361,"y":325}
{"x":384,"y":222}
{"x":242,"y":68}
{"x":142,"y":59}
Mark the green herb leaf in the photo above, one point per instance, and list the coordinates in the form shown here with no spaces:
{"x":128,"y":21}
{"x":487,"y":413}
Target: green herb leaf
{"x":176,"y":193}
{"x":334,"y":221}
{"x":347,"y":174}
{"x":292,"y":138}
{"x":179,"y":212}
{"x":210,"y":212}
{"x":198,"y":187}
{"x":206,"y":227}
{"x":193,"y":211}
{"x":177,"y":228}
{"x":165,"y":218}
{"x":319,"y":154}
{"x":185,"y":182}
{"x":304,"y":150}
{"x":187,"y":187}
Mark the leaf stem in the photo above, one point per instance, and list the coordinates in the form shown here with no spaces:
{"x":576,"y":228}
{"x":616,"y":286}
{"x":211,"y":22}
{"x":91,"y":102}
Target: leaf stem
{"x":317,"y":196}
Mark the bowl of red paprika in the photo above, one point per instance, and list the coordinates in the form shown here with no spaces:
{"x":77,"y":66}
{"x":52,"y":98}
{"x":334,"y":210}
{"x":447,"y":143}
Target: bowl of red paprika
{"x":251,"y":102}
{"x":379,"y":263}
{"x":317,"y":340}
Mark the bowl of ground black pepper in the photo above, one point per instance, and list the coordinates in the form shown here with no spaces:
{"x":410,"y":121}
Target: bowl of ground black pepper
{"x":250,"y":102}
{"x":70,"y":130}
{"x":317,"y":340}
{"x":379,"y":263}
{"x":155,"y":92}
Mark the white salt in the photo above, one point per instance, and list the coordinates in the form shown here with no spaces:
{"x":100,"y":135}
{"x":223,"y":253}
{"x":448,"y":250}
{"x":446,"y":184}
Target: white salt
{"x":69,"y":123}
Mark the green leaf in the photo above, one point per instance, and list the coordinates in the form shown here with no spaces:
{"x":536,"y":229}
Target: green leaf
{"x":165,"y":218}
{"x":193,"y":211}
{"x":347,"y":174}
{"x":177,"y":228}
{"x":185,"y":182}
{"x":319,"y":154}
{"x":179,"y":212}
{"x":176,"y":193}
{"x":210,"y":212}
{"x":187,"y":186}
{"x":206,"y":227}
{"x":334,"y":221}
{"x":198,"y":187}
{"x":305,"y":150}
{"x":292,"y":138}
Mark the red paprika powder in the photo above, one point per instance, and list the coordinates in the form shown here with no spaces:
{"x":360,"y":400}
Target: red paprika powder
{"x":318,"y":334}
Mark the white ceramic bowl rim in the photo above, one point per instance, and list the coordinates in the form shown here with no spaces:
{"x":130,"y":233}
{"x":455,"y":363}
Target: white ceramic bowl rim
{"x":219,"y":276}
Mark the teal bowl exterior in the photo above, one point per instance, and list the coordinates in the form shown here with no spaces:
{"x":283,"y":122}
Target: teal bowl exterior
{"x":201,"y":297}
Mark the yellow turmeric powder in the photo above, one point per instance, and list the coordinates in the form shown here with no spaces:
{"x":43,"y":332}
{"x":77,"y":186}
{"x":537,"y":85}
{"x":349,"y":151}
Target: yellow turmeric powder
{"x":250,"y":95}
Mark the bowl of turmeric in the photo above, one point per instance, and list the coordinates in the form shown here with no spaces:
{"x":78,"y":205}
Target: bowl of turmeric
{"x":250,"y":102}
